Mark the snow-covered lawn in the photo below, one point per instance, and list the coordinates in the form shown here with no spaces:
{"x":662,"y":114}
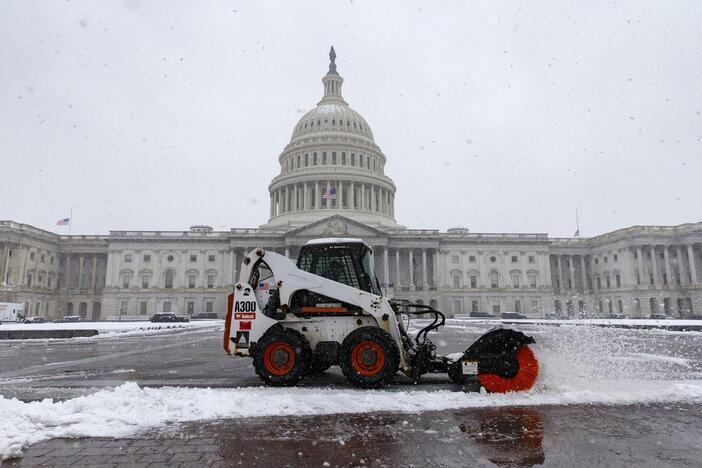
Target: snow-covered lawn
{"x":128,"y":409}
{"x":111,"y":328}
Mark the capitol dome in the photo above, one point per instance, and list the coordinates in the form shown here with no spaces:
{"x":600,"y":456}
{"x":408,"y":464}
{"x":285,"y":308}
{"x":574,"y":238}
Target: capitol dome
{"x":332,"y":166}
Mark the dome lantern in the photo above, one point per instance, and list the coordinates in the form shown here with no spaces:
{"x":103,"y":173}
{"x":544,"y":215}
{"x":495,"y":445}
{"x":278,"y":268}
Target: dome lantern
{"x":332,"y":81}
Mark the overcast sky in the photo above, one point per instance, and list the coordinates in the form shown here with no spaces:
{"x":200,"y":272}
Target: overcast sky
{"x":162,"y":114}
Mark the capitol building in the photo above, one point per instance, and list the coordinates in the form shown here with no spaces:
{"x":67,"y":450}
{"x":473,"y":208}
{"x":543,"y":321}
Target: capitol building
{"x":332,"y":182}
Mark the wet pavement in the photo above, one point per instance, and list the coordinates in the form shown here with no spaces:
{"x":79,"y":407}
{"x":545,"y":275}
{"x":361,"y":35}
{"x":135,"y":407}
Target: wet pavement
{"x":574,"y":435}
{"x":655,"y":436}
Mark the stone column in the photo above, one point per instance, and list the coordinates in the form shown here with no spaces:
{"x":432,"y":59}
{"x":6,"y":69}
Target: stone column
{"x":560,"y":273}
{"x":295,"y":205}
{"x":411,"y":270}
{"x":691,"y":259}
{"x":397,"y":269}
{"x":352,"y":201}
{"x":93,"y":276}
{"x":386,"y":266}
{"x":287,"y":201}
{"x":80,"y":272}
{"x":642,"y":274}
{"x":571,"y":267}
{"x":316,"y":196}
{"x":681,"y":269}
{"x":304,"y":196}
{"x":340,"y":195}
{"x":4,"y":262}
{"x":654,"y":260}
{"x":668,"y":270}
{"x":363,"y":197}
{"x":583,"y":273}
{"x":328,"y":201}
{"x":424,"y":269}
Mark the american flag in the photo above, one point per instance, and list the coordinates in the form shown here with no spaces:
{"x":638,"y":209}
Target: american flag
{"x":63,"y":222}
{"x":263,"y":286}
{"x":330,"y":194}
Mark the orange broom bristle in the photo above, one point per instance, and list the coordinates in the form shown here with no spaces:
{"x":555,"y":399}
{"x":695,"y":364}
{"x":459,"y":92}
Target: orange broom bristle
{"x":524,"y":380}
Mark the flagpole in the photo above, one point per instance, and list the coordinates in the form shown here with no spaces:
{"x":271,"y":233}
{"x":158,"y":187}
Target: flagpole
{"x":70,"y":221}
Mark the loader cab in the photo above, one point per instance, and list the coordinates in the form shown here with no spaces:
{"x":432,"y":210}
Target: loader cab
{"x":347,"y":261}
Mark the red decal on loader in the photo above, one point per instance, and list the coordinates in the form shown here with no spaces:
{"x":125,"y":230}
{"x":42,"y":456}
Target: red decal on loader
{"x":244,"y":325}
{"x":245,"y":316}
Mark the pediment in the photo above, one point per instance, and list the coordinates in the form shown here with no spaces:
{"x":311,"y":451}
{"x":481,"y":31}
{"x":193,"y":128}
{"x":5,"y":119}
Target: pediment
{"x":336,"y":226}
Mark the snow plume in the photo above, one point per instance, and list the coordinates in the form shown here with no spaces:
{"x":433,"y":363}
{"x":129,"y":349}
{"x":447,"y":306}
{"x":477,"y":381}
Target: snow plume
{"x":129,"y":409}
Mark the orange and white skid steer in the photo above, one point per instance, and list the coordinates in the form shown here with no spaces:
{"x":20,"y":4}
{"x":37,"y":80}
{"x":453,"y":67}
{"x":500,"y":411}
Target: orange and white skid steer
{"x":328,"y":309}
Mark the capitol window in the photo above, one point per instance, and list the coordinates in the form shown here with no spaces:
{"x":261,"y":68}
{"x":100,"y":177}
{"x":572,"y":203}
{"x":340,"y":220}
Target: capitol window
{"x":168,"y":281}
{"x":353,"y":159}
{"x":360,"y":160}
{"x":127,"y":259}
{"x":324,"y":158}
{"x":473,"y":281}
{"x":531,"y":259}
{"x":514,"y":259}
{"x":515,"y":280}
{"x":343,"y":159}
{"x":314,"y":159}
{"x":211,"y":258}
{"x":471,"y":258}
{"x":494,"y":279}
{"x":307,"y":160}
{"x":147,"y":258}
{"x":334,"y":158}
{"x":454,"y":258}
{"x":456,"y":282}
{"x":210,"y":281}
{"x":170,"y":258}
{"x":191,"y":280}
{"x":145,"y":279}
{"x":193,"y":258}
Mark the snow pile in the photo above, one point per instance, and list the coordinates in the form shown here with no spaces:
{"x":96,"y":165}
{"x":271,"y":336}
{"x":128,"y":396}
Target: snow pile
{"x":129,"y":409}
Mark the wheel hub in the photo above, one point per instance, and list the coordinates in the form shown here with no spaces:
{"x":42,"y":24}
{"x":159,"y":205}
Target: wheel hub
{"x":280,"y":357}
{"x":368,"y":357}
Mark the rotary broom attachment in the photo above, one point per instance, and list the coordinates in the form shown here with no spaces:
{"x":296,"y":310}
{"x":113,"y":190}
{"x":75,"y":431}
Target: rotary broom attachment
{"x":500,"y":360}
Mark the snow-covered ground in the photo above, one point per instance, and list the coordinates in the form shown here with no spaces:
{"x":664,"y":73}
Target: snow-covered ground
{"x":129,"y":409}
{"x":578,"y":365}
{"x":107,"y":329}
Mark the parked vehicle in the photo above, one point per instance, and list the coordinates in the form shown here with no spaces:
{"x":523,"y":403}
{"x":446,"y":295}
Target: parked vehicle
{"x":71,"y":319}
{"x":168,"y":317}
{"x":481,"y":315}
{"x":11,"y":312}
{"x":205,"y":315}
{"x":34,"y":320}
{"x":618,"y":316}
{"x":658,"y":317}
{"x":513,"y":315}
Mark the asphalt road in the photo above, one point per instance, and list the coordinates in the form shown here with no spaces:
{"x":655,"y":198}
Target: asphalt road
{"x":665,"y":434}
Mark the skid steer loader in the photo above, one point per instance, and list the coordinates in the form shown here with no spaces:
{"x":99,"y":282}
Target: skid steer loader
{"x":328,"y":309}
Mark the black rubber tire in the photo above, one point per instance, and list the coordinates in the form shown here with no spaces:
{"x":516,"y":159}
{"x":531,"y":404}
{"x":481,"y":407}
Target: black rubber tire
{"x":303,"y":356}
{"x":391,"y":358}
